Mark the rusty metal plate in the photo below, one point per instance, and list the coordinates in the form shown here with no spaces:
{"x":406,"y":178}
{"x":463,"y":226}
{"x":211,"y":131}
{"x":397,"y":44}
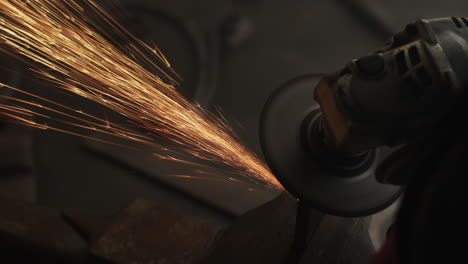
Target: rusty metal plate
{"x":147,"y":233}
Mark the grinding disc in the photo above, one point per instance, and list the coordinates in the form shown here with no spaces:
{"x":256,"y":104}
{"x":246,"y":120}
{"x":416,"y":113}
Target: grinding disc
{"x":302,"y":174}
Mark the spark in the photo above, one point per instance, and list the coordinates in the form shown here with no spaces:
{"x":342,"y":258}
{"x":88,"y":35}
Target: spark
{"x":69,"y":48}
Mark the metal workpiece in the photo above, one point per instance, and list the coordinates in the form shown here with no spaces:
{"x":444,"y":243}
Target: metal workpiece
{"x":270,"y":234}
{"x":143,"y":232}
{"x":32,"y":234}
{"x":147,"y":232}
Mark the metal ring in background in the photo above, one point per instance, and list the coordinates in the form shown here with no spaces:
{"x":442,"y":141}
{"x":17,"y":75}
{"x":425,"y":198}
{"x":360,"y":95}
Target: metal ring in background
{"x":204,"y":49}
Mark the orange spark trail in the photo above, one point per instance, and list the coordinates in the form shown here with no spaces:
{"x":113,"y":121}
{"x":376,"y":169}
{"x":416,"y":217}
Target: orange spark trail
{"x":64,"y":37}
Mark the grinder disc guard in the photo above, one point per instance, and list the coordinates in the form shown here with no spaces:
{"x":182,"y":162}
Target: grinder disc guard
{"x":301,"y":173}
